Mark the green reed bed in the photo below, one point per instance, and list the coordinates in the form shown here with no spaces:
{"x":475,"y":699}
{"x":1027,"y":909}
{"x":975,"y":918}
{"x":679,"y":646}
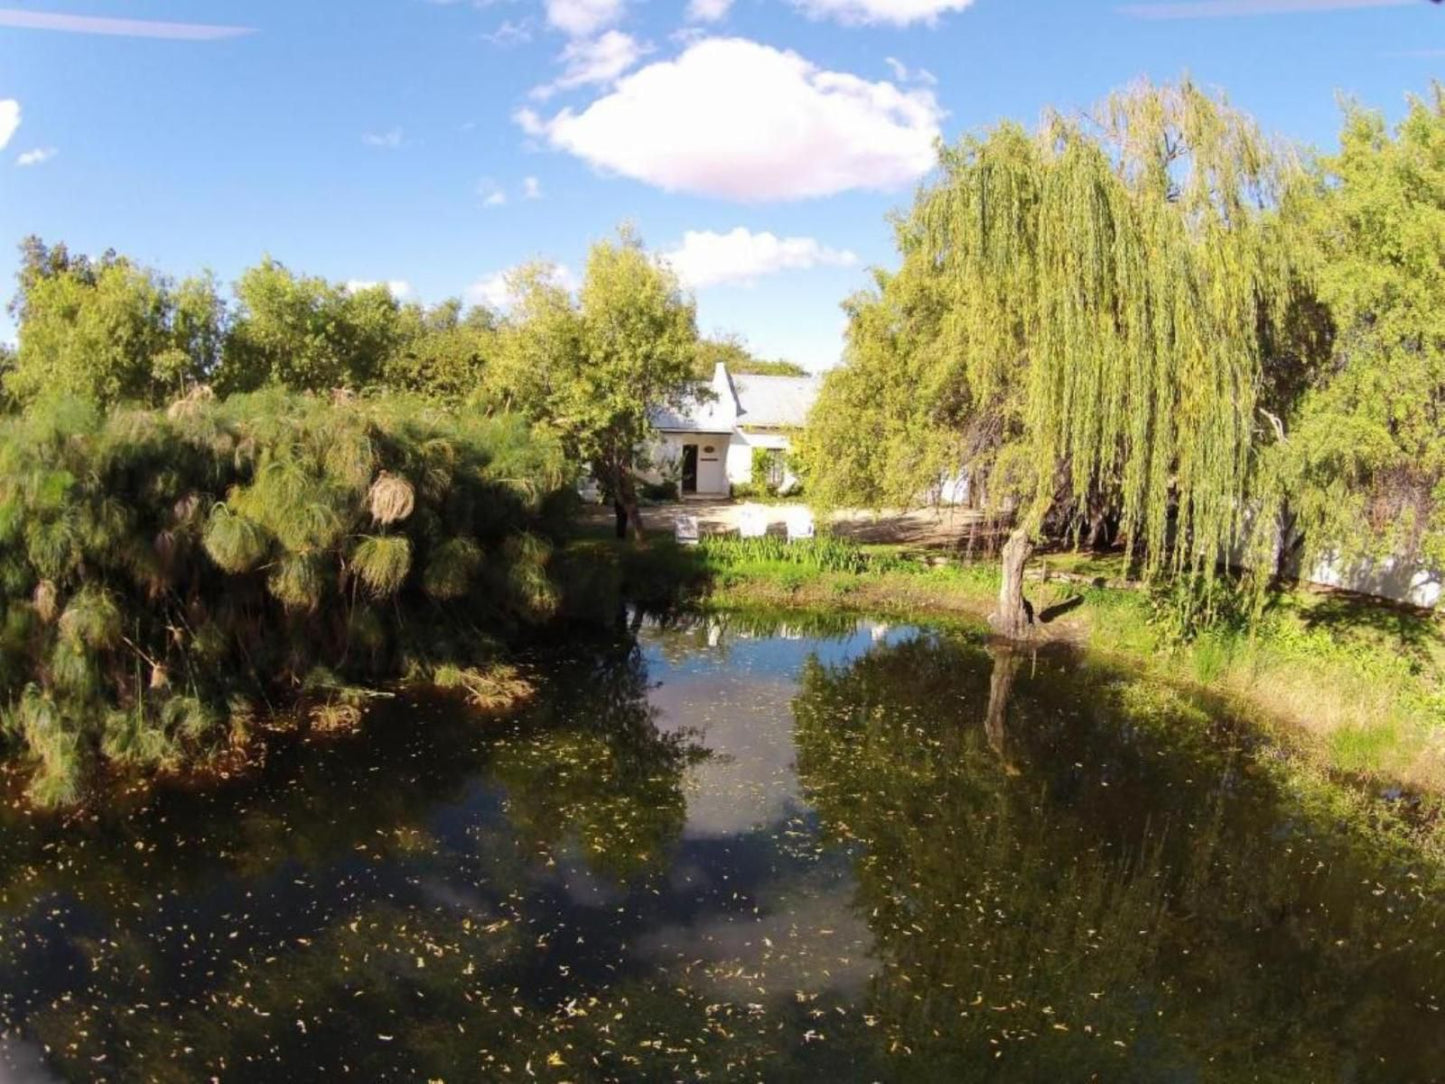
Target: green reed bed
{"x":171,"y":580}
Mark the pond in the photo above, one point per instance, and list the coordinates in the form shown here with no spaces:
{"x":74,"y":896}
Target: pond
{"x":724,"y":849}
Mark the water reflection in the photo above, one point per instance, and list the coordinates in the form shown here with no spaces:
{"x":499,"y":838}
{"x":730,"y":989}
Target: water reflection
{"x":725,"y":850}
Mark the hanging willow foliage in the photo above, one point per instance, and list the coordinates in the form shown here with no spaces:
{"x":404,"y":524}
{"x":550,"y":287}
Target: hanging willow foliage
{"x":1106,"y":290}
{"x":164,"y":575}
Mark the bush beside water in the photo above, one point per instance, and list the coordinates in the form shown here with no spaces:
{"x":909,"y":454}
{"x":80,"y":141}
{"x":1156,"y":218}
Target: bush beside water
{"x":171,"y":579}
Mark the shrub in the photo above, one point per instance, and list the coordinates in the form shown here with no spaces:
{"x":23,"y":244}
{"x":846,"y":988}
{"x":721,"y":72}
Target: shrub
{"x":162,"y":570}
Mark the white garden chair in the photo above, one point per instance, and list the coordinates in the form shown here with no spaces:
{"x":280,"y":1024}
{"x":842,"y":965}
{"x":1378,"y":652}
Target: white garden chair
{"x":685,"y":530}
{"x":752,"y":522}
{"x":800,"y":525}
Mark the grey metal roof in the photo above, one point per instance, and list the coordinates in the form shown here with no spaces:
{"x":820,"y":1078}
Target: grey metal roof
{"x":775,"y":400}
{"x":744,"y":400}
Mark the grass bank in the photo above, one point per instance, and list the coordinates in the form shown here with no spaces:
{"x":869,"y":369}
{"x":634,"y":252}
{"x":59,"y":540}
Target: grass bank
{"x":1348,"y":687}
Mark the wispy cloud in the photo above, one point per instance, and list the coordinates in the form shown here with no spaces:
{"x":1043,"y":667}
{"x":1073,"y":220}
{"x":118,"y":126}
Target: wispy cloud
{"x":387,"y":141}
{"x":510,"y":33}
{"x":1226,"y":9}
{"x":122,"y":28}
{"x":708,"y":11}
{"x":36,"y":157}
{"x":492,"y":194}
{"x":531,"y":188}
{"x":600,"y":61}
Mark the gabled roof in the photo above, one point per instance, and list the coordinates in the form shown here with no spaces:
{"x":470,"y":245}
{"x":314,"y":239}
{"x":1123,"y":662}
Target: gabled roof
{"x":767,"y":401}
{"x":775,"y":400}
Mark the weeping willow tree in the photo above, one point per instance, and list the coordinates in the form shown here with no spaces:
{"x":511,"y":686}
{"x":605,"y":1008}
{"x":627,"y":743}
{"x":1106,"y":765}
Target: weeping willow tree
{"x":1100,"y":301}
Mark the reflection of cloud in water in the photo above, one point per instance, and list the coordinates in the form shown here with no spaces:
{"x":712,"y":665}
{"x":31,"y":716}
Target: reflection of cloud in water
{"x":747,"y":724}
{"x":22,"y":1062}
{"x":807,"y":941}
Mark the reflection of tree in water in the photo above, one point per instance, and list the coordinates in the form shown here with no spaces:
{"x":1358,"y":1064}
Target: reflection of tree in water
{"x":592,"y":766}
{"x":1006,"y":660}
{"x":371,"y":889}
{"x":1132,"y":903}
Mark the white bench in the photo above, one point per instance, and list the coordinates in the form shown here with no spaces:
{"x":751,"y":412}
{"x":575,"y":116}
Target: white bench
{"x":800,"y":525}
{"x":752,"y":522}
{"x":685,"y":530}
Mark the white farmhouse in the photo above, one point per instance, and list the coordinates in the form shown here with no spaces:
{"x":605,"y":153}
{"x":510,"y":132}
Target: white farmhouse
{"x":708,"y":448}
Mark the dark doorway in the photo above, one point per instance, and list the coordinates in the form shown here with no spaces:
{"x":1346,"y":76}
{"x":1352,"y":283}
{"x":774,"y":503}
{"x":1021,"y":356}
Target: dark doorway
{"x":689,"y":468}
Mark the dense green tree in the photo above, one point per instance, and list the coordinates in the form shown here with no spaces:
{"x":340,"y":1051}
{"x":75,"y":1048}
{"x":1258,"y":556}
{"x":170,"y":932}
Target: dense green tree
{"x":442,"y":352}
{"x":1365,"y":461}
{"x":1109,"y":292}
{"x":110,"y":330}
{"x":307,"y":334}
{"x":596,"y":369}
{"x":887,"y":425}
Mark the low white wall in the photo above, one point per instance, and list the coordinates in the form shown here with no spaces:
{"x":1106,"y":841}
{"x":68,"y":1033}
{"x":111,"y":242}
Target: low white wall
{"x":1387,"y":577}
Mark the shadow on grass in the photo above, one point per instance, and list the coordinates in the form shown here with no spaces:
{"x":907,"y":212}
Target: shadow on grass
{"x":1058,"y":609}
{"x":1410,"y":628}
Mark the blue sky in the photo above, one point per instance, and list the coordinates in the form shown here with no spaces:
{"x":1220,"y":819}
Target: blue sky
{"x":436,"y":143}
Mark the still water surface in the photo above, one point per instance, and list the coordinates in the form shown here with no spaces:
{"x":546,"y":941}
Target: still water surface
{"x":728,"y":853}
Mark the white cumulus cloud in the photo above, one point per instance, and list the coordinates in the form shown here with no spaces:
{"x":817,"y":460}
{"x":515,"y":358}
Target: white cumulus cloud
{"x":708,"y":11}
{"x":582,"y":18}
{"x":598,"y":60}
{"x":740,"y":120}
{"x":706,"y":258}
{"x":9,"y":120}
{"x":36,"y":157}
{"x":896,"y":12}
{"x":398,"y":288}
{"x":495,"y":290}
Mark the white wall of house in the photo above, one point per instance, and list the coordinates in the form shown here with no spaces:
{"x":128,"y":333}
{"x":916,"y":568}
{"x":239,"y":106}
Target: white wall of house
{"x":740,"y":454}
{"x":716,"y":424}
{"x":667,"y":457}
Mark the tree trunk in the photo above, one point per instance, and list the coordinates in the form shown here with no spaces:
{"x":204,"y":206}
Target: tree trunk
{"x":1098,"y":531}
{"x":627,"y":498}
{"x":1014,"y":617}
{"x":621,"y":515}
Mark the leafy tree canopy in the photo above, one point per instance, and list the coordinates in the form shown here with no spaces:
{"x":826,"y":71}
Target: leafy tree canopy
{"x":596,"y":368}
{"x":110,"y":330}
{"x":306,"y":333}
{"x":1366,"y":459}
{"x":1088,"y":311}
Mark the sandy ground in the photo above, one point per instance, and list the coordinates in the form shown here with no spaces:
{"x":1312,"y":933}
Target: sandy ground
{"x":923,"y":527}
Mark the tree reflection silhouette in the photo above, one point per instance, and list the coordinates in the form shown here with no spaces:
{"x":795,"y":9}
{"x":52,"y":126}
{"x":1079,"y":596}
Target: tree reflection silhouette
{"x":1069,"y":875}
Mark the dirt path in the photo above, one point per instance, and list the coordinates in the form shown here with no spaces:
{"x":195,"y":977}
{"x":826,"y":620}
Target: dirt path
{"x":922,"y":527}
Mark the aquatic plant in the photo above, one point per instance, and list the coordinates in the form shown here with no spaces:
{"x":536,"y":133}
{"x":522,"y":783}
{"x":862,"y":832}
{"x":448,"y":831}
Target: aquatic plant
{"x":160,"y":568}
